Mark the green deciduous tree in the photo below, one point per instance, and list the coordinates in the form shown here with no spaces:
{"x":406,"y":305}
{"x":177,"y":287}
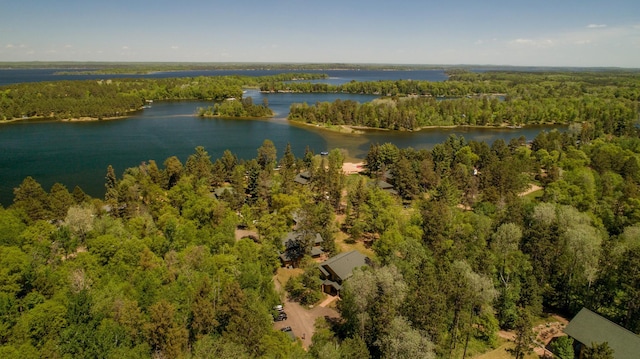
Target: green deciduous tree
{"x":563,"y":347}
{"x":598,"y":351}
{"x":371,"y":300}
{"x":402,"y":341}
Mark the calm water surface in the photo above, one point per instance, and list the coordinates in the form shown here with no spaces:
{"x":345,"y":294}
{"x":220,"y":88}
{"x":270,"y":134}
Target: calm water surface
{"x":78,"y":153}
{"x":336,"y":77}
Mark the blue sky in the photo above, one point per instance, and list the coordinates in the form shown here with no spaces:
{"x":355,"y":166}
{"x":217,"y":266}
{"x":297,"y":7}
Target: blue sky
{"x":521,"y":33}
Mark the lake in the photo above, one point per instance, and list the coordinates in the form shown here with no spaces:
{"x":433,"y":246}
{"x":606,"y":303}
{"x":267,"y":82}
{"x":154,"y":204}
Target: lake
{"x":336,"y":77}
{"x":78,"y":153}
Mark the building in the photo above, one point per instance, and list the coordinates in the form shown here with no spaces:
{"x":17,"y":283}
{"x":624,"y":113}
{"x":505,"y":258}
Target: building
{"x":303,"y":177}
{"x":385,"y":186}
{"x":335,"y":270}
{"x":588,"y":327}
{"x":295,"y":248}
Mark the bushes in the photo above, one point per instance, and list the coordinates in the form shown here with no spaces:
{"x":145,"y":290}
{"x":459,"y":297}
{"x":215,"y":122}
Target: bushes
{"x":306,"y":287}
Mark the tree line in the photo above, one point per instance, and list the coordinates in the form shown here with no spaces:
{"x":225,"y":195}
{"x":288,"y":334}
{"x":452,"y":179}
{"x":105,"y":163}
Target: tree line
{"x":244,"y":108}
{"x":414,"y":113}
{"x":532,"y":85}
{"x":117,"y":97}
{"x":608,"y":102}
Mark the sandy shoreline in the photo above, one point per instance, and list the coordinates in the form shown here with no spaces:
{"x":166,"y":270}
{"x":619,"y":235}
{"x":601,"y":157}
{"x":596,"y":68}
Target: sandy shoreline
{"x":74,"y":119}
{"x":352,"y":167}
{"x":357,"y":130}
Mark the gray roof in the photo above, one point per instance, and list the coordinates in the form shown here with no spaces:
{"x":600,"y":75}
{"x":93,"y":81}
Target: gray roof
{"x":588,"y":327}
{"x":384,"y":185}
{"x":333,"y":284}
{"x":316,"y":251}
{"x":303,"y":177}
{"x":295,"y":236}
{"x":344,"y":263}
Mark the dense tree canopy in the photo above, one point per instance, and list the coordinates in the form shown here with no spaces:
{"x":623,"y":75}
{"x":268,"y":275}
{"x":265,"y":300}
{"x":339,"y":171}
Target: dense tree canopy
{"x":608,"y":104}
{"x":118,"y":97}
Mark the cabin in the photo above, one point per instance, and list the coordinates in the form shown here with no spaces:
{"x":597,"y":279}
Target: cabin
{"x":385,"y":186}
{"x":295,"y":248}
{"x":335,"y":270}
{"x":588,"y":327}
{"x":303,"y":177}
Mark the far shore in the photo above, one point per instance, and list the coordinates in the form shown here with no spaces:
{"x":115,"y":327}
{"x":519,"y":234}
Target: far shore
{"x":236,"y":118}
{"x":74,"y":119}
{"x":356,"y":130}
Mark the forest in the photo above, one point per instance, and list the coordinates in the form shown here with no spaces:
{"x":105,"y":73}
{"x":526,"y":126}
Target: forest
{"x":117,"y":97}
{"x":608,"y":101}
{"x":232,"y":107}
{"x":154,"y":270}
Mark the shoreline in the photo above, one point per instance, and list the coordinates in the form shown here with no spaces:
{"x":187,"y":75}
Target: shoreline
{"x":359,"y":130}
{"x":343,"y":129}
{"x":73,"y":119}
{"x":236,"y":118}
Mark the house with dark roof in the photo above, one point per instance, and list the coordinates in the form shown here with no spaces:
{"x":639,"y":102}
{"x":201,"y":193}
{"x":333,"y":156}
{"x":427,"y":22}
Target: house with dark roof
{"x":588,"y":327}
{"x":385,"y":186}
{"x":335,"y":270}
{"x":303,"y":177}
{"x":295,"y":247}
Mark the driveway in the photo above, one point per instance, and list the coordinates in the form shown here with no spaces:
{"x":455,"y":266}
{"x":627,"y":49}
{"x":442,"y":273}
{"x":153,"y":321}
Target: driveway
{"x":302,"y":320}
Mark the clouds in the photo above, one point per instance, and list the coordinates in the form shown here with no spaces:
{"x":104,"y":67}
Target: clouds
{"x":596,"y":34}
{"x":536,"y":43}
{"x":590,"y":45}
{"x":15,"y":46}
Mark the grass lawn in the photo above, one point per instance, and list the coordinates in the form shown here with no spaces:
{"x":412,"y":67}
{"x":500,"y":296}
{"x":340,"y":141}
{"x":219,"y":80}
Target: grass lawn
{"x":283,"y":275}
{"x":343,"y":246}
{"x":502,"y":353}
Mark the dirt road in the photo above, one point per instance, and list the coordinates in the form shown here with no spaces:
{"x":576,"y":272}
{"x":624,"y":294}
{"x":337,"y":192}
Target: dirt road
{"x":302,"y":320}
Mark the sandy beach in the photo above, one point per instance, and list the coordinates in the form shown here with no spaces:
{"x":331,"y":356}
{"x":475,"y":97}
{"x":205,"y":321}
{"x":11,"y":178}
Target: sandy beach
{"x":352,"y":167}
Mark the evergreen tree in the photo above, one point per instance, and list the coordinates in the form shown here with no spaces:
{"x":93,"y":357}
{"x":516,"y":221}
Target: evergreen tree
{"x":267,"y":155}
{"x":524,"y":335}
{"x":288,"y":170}
{"x":111,"y":194}
{"x":32,"y":199}
{"x":59,"y":201}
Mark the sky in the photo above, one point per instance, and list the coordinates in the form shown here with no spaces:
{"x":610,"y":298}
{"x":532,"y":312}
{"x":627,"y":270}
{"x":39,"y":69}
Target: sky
{"x":582,"y":33}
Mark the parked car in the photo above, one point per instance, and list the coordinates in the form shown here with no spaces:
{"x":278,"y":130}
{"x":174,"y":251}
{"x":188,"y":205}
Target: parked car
{"x":286,"y":329}
{"x":278,"y":307}
{"x":281,"y":316}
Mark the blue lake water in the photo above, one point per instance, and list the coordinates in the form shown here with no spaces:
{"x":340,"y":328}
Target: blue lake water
{"x":336,"y":77}
{"x":78,"y":153}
